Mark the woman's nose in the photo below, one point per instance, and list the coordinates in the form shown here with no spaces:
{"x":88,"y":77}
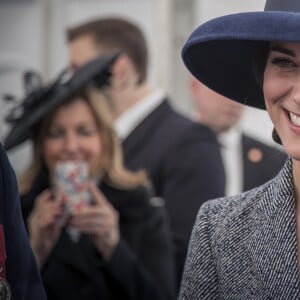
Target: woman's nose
{"x":71,"y":143}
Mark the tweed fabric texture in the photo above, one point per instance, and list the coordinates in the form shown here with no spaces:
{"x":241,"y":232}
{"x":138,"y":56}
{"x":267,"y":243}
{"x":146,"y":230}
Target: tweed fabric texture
{"x":245,"y":247}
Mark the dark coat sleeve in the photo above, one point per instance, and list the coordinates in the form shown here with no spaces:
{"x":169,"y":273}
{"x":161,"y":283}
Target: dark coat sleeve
{"x":21,"y":270}
{"x":145,"y":267}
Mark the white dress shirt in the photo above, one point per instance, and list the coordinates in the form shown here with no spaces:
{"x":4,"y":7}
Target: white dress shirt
{"x":128,"y":121}
{"x":232,"y":154}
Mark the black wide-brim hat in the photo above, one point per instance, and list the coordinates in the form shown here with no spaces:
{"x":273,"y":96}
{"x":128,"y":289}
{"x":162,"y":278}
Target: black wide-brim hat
{"x":220,"y":52}
{"x":36,"y":105}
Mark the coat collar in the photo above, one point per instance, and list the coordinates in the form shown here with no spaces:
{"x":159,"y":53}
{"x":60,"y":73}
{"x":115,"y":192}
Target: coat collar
{"x":147,"y":127}
{"x":135,"y":114}
{"x":273,"y":244}
{"x":280,"y":193}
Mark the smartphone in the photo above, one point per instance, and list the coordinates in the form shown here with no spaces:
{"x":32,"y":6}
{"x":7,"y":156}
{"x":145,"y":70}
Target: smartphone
{"x":70,"y":182}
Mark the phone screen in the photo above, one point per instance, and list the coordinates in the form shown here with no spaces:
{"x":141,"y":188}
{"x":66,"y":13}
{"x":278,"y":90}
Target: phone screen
{"x":70,"y":182}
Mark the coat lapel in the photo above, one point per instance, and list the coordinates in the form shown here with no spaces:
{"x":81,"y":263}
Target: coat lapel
{"x":272,"y":244}
{"x":141,"y":135}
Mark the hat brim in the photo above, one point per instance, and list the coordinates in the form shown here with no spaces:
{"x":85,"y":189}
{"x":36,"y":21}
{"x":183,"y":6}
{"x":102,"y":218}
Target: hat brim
{"x":220,"y":52}
{"x":95,"y":72}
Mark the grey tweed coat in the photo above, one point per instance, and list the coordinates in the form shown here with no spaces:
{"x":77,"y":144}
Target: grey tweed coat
{"x":245,"y":247}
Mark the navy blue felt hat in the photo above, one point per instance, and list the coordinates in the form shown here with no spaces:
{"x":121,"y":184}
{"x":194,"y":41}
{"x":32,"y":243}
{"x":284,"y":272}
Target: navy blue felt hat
{"x":220,"y":52}
{"x":36,"y":105}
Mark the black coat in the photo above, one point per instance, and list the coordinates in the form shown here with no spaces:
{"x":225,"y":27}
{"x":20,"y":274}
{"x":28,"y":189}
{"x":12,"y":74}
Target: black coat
{"x":21,"y":270}
{"x":185,"y":166}
{"x":270,"y":162}
{"x":140,"y":268}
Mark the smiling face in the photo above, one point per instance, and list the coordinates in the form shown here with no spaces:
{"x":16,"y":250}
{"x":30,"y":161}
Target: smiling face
{"x":73,"y":135}
{"x":281,"y":88}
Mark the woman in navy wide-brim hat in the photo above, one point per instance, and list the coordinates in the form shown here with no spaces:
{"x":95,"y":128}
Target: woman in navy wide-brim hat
{"x":248,"y":246}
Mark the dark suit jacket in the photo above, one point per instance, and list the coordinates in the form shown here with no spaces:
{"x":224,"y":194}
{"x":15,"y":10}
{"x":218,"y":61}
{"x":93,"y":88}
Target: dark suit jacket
{"x":258,"y":172}
{"x":245,"y":246}
{"x":21,"y":270}
{"x":184,"y":164}
{"x":140,"y":268}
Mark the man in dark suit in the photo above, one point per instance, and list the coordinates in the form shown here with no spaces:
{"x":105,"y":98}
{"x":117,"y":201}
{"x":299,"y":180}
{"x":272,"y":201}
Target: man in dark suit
{"x":181,"y":157}
{"x":248,"y":162}
{"x":19,"y":275}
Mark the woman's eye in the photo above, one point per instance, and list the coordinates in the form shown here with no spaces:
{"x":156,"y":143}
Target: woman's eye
{"x":283,"y":62}
{"x":54,"y":134}
{"x":86,"y":131}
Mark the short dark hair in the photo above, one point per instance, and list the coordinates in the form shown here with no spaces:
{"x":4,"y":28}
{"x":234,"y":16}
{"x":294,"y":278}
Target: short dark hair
{"x":116,"y":34}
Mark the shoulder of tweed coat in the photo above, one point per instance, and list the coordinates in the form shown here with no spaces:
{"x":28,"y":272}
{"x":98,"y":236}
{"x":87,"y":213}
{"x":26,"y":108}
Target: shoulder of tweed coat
{"x":245,"y":247}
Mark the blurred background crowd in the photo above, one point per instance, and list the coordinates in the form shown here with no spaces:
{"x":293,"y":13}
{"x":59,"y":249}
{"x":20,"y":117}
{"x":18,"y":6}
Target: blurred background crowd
{"x":33,"y":37}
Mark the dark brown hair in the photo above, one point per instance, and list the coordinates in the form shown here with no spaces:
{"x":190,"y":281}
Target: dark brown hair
{"x":114,"y":33}
{"x":260,"y":57}
{"x":261,"y":52}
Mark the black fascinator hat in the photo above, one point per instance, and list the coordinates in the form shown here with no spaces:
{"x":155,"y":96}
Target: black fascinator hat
{"x":40,"y":101}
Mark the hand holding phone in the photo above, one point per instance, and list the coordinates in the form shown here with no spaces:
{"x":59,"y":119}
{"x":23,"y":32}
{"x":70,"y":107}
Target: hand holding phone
{"x":70,"y":182}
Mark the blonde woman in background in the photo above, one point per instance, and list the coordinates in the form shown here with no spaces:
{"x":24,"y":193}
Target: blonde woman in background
{"x":124,"y":249}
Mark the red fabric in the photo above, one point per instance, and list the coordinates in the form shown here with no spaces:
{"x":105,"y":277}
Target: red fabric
{"x":2,"y":253}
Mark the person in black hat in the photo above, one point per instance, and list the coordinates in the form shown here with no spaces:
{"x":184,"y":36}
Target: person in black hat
{"x":94,"y":232}
{"x":247,"y":246}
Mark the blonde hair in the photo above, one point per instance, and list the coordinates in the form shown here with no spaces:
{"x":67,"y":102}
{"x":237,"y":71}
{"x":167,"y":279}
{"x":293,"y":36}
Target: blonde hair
{"x":111,"y":167}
